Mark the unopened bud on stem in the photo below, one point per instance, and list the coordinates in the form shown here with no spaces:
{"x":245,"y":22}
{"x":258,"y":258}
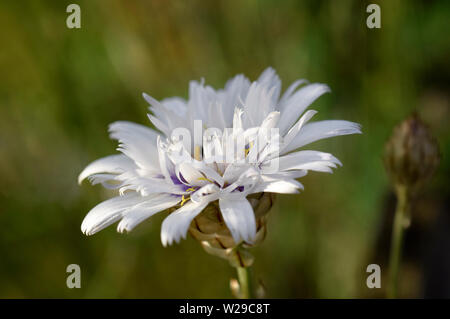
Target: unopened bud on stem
{"x":411,"y":154}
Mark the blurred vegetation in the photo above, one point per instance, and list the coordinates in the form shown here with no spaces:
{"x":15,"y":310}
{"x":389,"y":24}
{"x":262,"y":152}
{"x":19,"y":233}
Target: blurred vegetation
{"x":60,"y":88}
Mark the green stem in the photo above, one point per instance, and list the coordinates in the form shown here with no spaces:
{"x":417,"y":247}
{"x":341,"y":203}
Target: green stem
{"x":244,"y":279}
{"x":401,"y":222}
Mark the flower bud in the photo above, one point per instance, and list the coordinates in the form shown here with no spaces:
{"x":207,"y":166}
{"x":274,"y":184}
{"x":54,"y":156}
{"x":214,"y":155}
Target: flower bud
{"x":210,"y":229}
{"x":411,"y":154}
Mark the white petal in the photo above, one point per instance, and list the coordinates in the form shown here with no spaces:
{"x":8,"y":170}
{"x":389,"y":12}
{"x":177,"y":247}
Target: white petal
{"x":159,"y":124}
{"x":207,"y":193}
{"x":137,"y":142}
{"x":291,"y":161}
{"x":235,"y":90}
{"x":237,"y":118}
{"x":239,"y":217}
{"x":147,"y":186}
{"x":298,"y":102}
{"x":233,"y":172}
{"x":269,"y":77}
{"x":288,"y":93}
{"x":200,"y":99}
{"x":287,"y":186}
{"x":108,"y":212}
{"x":315,"y":131}
{"x":258,"y":104}
{"x":293,"y":132}
{"x":145,"y":210}
{"x":248,"y":180}
{"x":167,"y":116}
{"x":175,"y":226}
{"x":302,"y":160}
{"x":191,"y":175}
{"x":265,"y":139}
{"x":286,"y":175}
{"x":107,"y":180}
{"x":210,"y":174}
{"x":176,"y":105}
{"x":271,"y":80}
{"x":165,"y":165}
{"x":320,"y":166}
{"x":115,"y":164}
{"x":177,"y":150}
{"x":271,"y":120}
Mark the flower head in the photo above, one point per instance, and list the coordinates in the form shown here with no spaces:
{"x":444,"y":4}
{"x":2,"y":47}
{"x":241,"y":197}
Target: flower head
{"x":220,"y":149}
{"x":411,"y":153}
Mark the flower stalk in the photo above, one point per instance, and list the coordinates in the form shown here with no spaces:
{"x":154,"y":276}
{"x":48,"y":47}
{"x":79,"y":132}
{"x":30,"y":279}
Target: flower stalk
{"x":245,"y":284}
{"x":401,"y":222}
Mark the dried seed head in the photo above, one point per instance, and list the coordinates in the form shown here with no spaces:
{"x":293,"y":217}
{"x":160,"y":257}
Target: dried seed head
{"x":411,"y":154}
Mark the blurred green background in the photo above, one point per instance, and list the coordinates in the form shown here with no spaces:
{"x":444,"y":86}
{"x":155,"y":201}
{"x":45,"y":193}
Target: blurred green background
{"x":60,"y":88}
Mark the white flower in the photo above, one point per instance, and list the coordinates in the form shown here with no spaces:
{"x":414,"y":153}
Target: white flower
{"x":158,"y":170}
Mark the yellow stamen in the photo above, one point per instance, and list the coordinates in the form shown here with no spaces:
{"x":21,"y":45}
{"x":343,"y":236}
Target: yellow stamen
{"x":184,"y":200}
{"x":249,"y":148}
{"x":204,"y":179}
